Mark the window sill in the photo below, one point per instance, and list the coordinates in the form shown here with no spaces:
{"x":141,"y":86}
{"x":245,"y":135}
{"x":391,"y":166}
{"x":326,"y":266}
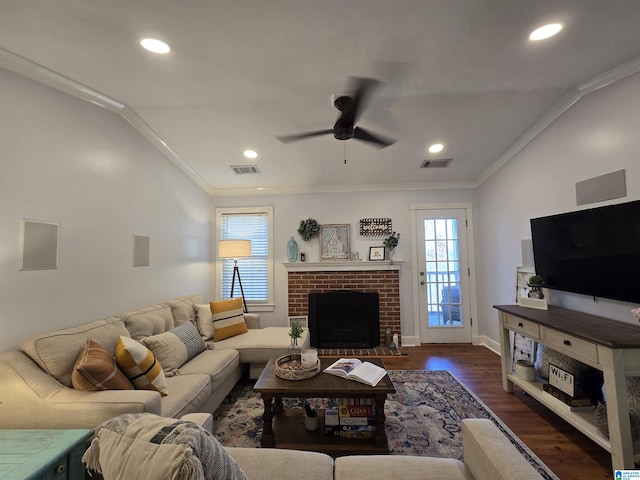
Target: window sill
{"x":260,"y":307}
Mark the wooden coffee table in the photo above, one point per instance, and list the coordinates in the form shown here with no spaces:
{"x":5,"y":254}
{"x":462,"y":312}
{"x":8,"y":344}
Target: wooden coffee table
{"x":284,"y":428}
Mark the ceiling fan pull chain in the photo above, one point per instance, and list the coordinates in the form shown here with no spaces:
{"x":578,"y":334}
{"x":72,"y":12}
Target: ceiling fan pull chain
{"x":344,"y":148}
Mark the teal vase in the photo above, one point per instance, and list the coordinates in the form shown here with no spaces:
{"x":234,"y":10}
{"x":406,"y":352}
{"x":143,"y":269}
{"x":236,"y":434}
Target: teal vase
{"x":292,"y":250}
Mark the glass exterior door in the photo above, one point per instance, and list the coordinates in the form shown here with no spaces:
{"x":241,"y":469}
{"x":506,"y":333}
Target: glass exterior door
{"x":443,"y":276}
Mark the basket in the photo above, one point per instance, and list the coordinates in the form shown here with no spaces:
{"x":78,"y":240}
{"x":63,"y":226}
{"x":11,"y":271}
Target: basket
{"x":292,"y":370}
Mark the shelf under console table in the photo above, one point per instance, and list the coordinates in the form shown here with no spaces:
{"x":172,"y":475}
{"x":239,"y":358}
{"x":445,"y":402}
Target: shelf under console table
{"x":608,"y":345}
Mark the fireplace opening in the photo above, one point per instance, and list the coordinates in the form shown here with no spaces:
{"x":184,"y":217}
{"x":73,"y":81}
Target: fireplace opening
{"x":344,"y":319}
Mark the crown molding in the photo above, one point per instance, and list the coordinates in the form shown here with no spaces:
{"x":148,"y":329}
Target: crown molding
{"x":26,"y":68}
{"x":560,"y":107}
{"x":39,"y":73}
{"x":227,"y":192}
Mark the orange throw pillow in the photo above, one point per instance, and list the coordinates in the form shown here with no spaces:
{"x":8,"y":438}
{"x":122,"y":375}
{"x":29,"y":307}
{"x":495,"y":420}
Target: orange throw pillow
{"x":96,"y":369}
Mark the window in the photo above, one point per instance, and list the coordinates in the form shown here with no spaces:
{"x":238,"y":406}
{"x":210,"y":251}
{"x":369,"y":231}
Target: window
{"x":256,"y":272}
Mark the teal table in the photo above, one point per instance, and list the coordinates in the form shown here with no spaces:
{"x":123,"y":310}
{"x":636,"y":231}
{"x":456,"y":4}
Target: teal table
{"x":43,"y":454}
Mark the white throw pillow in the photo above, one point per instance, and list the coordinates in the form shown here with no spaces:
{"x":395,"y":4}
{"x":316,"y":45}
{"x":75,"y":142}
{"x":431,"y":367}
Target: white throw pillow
{"x":204,"y":322}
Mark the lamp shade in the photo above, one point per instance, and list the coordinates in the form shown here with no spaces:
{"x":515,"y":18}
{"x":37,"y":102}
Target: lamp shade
{"x":234,"y":248}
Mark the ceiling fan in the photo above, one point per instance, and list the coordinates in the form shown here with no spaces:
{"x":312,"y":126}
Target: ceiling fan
{"x":351,"y":107}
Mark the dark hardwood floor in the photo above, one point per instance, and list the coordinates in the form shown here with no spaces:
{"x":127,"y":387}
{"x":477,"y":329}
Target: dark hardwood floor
{"x":567,"y":452}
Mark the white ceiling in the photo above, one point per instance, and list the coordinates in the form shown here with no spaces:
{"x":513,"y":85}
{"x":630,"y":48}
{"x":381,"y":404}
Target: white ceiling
{"x":459,"y":72}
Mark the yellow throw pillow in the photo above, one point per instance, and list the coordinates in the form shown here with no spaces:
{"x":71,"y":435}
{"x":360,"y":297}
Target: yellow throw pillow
{"x":140,"y":365}
{"x":228,"y":318}
{"x":96,"y":369}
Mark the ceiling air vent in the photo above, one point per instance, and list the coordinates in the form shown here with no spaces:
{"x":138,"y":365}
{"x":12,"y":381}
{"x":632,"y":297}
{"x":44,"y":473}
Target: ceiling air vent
{"x":244,"y":169}
{"x":436,"y":163}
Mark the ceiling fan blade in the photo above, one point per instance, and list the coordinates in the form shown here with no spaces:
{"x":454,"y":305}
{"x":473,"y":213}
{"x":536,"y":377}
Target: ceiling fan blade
{"x":302,"y":136}
{"x":362,"y":90}
{"x":377,"y":140}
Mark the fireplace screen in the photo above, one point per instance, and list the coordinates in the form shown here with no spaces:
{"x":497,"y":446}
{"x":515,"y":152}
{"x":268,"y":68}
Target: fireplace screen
{"x":344,"y":319}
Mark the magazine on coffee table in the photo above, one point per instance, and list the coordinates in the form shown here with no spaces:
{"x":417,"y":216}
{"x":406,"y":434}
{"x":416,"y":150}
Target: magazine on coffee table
{"x":354,"y":369}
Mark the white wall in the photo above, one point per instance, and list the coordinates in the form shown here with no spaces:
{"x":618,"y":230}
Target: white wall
{"x":64,"y":160}
{"x":348,"y":208}
{"x":598,"y":135}
{"x":67,"y":161}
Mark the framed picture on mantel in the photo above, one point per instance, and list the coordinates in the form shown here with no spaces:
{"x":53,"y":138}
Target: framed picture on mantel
{"x":376,"y":254}
{"x":334,"y":242}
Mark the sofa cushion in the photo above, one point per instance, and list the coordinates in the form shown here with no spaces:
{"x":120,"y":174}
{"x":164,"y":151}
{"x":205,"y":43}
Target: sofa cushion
{"x":182,"y":308}
{"x":187,"y":394}
{"x":270,"y":463}
{"x":364,"y":467}
{"x":139,"y":364}
{"x":149,"y":446}
{"x":217,"y":364}
{"x":175,"y":347}
{"x":96,"y":369}
{"x":262,"y":344}
{"x":228,"y":318}
{"x":56,"y":352}
{"x":148,"y":321}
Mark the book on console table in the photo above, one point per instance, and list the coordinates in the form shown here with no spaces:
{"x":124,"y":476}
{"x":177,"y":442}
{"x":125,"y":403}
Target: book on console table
{"x":573,"y":403}
{"x":354,"y":369}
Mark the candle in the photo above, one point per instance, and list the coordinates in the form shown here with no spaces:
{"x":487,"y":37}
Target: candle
{"x":309,"y":357}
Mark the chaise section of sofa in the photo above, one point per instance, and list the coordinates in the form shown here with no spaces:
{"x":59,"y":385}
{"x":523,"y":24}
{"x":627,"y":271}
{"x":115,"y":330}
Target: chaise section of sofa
{"x":258,"y":345}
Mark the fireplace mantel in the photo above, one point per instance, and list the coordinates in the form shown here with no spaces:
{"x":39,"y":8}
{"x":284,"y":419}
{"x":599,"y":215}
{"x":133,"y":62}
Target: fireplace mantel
{"x":341,"y":266}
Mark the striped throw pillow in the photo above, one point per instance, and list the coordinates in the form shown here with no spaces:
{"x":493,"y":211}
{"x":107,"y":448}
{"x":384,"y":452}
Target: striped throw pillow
{"x":175,"y":347}
{"x":228,"y":318}
{"x":140,"y":366}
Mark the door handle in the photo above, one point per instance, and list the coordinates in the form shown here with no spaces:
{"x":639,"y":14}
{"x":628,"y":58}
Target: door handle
{"x":422,"y":282}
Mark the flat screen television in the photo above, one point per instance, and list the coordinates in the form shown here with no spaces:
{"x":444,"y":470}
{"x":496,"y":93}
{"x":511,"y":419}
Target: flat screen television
{"x":594,"y":252}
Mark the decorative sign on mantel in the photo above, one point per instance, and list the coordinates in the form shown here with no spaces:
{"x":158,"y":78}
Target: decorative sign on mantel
{"x":375,"y":227}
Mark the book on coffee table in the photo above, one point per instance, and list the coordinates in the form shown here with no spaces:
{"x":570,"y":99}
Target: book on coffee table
{"x":354,"y":369}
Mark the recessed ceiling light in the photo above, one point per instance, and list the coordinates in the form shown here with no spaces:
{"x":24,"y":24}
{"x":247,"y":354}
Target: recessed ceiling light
{"x":545,"y":32}
{"x":436,"y":147}
{"x":250,"y":154}
{"x":154,"y":45}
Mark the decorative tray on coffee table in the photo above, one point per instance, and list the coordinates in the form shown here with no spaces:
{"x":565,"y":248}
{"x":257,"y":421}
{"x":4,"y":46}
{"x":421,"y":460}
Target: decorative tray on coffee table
{"x":289,"y":369}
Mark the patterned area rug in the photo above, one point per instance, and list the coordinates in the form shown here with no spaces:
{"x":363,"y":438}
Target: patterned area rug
{"x":423,"y":416}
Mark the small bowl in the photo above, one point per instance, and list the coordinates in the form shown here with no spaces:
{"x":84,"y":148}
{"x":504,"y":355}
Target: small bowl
{"x":525,"y":370}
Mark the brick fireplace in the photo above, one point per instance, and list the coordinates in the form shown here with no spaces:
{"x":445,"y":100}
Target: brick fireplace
{"x":356,"y":276}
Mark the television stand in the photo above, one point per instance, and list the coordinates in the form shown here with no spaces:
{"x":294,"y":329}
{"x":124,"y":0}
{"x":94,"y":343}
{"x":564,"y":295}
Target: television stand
{"x":608,"y":345}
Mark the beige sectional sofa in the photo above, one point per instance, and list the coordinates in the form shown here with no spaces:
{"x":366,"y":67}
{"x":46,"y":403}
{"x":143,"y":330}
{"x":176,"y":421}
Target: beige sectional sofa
{"x":35,"y":380}
{"x":36,"y":392}
{"x":488,"y":455}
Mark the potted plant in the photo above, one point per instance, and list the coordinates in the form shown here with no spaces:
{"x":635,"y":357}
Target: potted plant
{"x":295,"y":333}
{"x":391,"y":242}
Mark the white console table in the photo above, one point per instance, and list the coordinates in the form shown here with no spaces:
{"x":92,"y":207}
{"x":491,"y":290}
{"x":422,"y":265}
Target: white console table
{"x":608,"y":345}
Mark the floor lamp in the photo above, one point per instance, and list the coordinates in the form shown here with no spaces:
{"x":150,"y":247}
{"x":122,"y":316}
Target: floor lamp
{"x":235,"y":249}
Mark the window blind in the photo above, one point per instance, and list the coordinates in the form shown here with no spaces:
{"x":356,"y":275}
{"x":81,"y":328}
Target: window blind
{"x":254,"y":269}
